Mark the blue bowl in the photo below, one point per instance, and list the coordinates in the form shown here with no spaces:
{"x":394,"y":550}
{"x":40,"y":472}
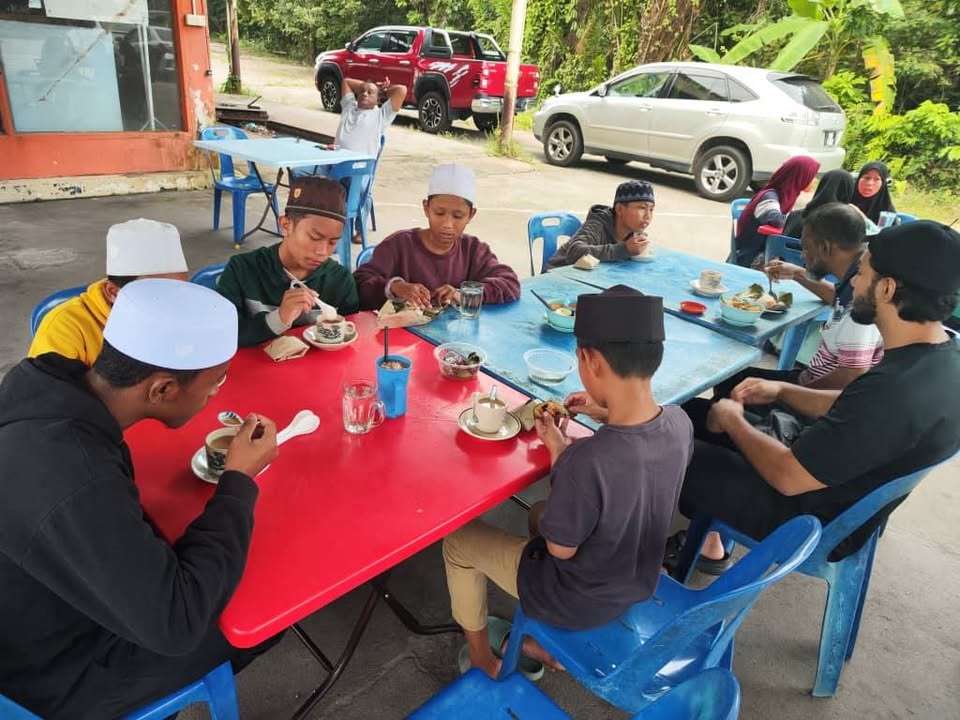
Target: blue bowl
{"x":740,"y":316}
{"x":558,"y":320}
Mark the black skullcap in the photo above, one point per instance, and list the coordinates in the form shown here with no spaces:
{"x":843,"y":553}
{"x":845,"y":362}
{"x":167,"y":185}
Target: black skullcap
{"x":619,"y":314}
{"x":314,"y":195}
{"x":923,"y":254}
{"x":634,"y":191}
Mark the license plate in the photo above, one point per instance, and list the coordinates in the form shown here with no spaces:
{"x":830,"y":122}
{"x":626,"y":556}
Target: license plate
{"x":830,"y":138}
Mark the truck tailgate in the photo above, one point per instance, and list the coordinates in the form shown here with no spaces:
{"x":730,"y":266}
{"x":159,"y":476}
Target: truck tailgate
{"x":493,"y":75}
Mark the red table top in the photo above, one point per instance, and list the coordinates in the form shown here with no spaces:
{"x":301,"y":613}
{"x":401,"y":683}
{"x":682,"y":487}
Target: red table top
{"x":336,"y":509}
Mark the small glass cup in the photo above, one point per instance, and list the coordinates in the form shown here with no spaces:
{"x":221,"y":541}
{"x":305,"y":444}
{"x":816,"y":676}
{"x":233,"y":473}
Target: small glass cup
{"x":471,"y":298}
{"x":393,"y":384}
{"x":362,"y":411}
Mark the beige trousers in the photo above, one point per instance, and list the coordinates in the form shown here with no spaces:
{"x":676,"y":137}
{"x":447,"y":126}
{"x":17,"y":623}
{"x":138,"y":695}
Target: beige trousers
{"x":472,"y":554}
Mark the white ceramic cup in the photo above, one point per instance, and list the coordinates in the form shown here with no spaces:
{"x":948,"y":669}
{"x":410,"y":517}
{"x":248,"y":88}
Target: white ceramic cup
{"x":710,"y":279}
{"x":490,"y":415}
{"x":334,"y":332}
{"x":216,"y":445}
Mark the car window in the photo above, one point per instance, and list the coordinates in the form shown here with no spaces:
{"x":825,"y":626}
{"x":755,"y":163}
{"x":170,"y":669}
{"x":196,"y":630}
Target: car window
{"x":399,"y":41}
{"x":694,"y":86}
{"x":738,"y":93}
{"x":490,"y":49}
{"x":372,"y":42}
{"x":640,"y":85}
{"x":807,"y":92}
{"x":462,"y":45}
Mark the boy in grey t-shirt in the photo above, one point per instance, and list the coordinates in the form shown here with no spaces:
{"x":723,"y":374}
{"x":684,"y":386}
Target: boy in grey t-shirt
{"x":362,"y":123}
{"x":612,"y":495}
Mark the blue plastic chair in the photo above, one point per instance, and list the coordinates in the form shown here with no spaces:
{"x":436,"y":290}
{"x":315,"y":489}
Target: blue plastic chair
{"x":239,"y":187}
{"x":365,"y":255}
{"x":356,"y":195}
{"x":216,"y":690}
{"x":847,"y":579}
{"x":906,"y":217}
{"x":49,"y":303}
{"x":549,"y":227}
{"x":208,"y":276}
{"x":367,"y":210}
{"x":675,"y":634}
{"x":736,"y":210}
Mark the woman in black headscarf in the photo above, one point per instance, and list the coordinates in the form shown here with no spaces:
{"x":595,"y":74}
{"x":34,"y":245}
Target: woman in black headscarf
{"x":872,"y":196}
{"x":834,"y":186}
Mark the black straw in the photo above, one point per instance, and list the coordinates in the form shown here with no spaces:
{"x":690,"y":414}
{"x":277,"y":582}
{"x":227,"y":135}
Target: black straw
{"x":386,"y":343}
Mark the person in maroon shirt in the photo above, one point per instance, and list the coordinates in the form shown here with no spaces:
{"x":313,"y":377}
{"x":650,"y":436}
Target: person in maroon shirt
{"x":425,"y":266}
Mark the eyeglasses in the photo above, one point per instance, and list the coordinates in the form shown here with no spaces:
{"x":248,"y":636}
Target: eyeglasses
{"x":222,"y":380}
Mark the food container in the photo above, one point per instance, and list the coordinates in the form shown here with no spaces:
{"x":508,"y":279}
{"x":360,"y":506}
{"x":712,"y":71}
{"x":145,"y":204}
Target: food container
{"x":562,"y":316}
{"x":549,"y":366}
{"x":692,"y":308}
{"x":745,"y":312}
{"x":458,"y":360}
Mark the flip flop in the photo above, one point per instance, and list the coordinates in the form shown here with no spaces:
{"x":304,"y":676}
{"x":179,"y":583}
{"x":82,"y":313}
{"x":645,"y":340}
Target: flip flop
{"x":497,"y":631}
{"x":708,"y":566}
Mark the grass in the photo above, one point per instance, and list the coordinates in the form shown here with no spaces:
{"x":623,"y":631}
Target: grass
{"x":512,"y":151}
{"x":940,"y":205}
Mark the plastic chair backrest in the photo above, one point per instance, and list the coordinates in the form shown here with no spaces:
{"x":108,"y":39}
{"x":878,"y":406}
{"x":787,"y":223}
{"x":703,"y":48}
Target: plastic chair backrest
{"x":737,"y":207}
{"x":208,"y":276}
{"x":724,"y":604}
{"x":365,"y":255}
{"x":785,"y":247}
{"x":357,"y":193}
{"x":906,"y":217}
{"x":9,"y":710}
{"x":216,"y":689}
{"x":713,"y":694}
{"x":550,"y":227}
{"x":49,"y":303}
{"x":736,"y":210}
{"x":223,"y":132}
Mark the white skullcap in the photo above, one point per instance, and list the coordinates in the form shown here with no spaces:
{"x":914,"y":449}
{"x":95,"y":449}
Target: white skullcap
{"x":144,"y":247}
{"x":452,"y":179}
{"x":172,"y":324}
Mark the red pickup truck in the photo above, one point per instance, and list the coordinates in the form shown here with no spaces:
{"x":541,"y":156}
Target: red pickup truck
{"x":449,"y":75}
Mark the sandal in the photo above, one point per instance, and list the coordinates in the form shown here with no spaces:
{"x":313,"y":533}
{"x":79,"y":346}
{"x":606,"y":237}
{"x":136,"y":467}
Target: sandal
{"x":708,"y":566}
{"x":498,"y":631}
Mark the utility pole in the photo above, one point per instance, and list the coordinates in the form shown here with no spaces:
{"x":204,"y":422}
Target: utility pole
{"x":234,"y":84}
{"x":518,"y":17}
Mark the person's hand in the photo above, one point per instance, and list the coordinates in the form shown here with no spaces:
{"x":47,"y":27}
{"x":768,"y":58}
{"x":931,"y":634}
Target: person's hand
{"x":296,"y":301}
{"x":385,"y":84}
{"x":447,"y":294}
{"x":579,"y":403}
{"x":413,"y":293}
{"x":553,"y":435}
{"x":780,"y":270}
{"x":253,"y":447}
{"x":721,"y":412}
{"x":756,"y":391}
{"x":636,"y":244}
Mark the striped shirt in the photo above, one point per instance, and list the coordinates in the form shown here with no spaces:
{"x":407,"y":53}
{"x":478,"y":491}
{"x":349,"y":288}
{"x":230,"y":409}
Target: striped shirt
{"x":844,"y":344}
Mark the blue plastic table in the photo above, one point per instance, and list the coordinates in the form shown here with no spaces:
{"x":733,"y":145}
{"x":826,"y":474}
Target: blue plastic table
{"x":694,"y":359}
{"x":669,"y":276}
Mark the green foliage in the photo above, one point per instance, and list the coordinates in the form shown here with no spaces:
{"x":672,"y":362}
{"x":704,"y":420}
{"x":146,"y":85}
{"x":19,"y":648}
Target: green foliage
{"x":847,"y":89}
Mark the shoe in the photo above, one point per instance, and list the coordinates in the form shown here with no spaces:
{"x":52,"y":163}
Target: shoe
{"x":497,"y":632}
{"x":356,"y":239}
{"x":708,"y":566}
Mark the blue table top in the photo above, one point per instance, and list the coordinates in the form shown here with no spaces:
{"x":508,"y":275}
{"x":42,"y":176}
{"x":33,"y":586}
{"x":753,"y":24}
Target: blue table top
{"x":284,"y":152}
{"x":669,"y":276}
{"x":694,"y":360}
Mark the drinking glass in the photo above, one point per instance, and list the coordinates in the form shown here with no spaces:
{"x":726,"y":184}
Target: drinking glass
{"x":362,"y":411}
{"x":471,"y":298}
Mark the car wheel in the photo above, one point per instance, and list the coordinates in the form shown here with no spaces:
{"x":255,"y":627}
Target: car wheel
{"x":329,"y":89}
{"x":486,"y":122}
{"x":615,"y":161}
{"x":721,"y":173}
{"x":562,"y":143}
{"x":433,"y":113}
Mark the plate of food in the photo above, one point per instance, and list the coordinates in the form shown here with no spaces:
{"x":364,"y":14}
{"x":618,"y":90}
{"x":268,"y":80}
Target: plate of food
{"x":773,"y":303}
{"x":399,"y":313}
{"x":739,"y":311}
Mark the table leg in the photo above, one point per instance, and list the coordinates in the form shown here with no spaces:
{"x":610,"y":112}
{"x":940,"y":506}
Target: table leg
{"x":521,"y":502}
{"x":405,"y":616}
{"x":268,"y":209}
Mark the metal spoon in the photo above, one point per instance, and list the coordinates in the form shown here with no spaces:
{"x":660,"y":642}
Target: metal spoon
{"x":493,"y":395}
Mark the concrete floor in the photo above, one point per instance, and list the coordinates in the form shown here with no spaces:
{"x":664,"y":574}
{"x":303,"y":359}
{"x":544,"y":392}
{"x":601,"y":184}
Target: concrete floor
{"x":907,"y":663}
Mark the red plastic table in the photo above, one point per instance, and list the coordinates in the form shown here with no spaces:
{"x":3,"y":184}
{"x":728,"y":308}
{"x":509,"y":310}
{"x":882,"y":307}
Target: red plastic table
{"x":337,"y":510}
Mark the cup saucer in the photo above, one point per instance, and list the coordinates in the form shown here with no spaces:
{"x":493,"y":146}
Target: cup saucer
{"x":510,"y":428}
{"x":644,"y":257}
{"x":706,"y":292}
{"x":310,"y":335}
{"x":198,"y":463}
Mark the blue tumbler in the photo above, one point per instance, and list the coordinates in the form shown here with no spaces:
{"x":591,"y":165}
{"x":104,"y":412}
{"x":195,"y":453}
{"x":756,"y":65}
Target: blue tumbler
{"x":392,"y":382}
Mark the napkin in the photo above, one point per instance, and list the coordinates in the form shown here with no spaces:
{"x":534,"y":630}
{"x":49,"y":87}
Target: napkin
{"x":286,"y":347}
{"x":524,"y":413}
{"x":586,"y":262}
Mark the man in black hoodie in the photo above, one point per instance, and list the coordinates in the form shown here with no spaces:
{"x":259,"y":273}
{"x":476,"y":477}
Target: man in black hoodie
{"x":612,"y":233}
{"x":98,"y":613}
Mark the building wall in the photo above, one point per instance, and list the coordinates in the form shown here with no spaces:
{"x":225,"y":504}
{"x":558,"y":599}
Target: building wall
{"x":59,"y":154}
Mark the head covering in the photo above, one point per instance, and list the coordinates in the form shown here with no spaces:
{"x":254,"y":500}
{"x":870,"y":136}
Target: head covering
{"x":313,"y":195}
{"x":172,"y":324}
{"x":619,"y":314}
{"x":144,"y":247}
{"x":788,"y":181}
{"x":834,"y":186}
{"x":923,"y":254}
{"x":634,"y":191}
{"x":876,"y":204}
{"x":453,"y":179}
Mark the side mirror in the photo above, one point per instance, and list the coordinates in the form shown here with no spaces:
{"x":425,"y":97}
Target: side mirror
{"x":556,"y":89}
{"x":350,"y":46}
{"x":602,"y":90}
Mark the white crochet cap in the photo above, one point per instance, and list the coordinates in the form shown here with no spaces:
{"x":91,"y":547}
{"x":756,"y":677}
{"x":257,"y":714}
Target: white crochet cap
{"x":144,"y":247}
{"x":452,"y":179}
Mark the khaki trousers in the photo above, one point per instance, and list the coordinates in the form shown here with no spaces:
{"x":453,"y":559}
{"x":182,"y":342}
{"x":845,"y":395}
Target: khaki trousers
{"x":472,"y":554}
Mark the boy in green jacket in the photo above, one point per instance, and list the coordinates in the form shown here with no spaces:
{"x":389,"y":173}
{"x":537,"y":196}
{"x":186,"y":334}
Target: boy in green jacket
{"x":257,"y":285}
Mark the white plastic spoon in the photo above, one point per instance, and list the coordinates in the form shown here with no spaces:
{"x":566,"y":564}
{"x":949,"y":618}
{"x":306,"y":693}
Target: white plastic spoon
{"x":303,"y":423}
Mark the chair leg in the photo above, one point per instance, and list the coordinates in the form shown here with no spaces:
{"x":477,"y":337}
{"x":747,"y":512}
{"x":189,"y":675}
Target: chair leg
{"x":864,"y":586}
{"x":373,"y":215}
{"x":363,"y":232}
{"x":696,"y":533}
{"x":222,"y":691}
{"x":792,"y":342}
{"x":843,"y":597}
{"x":276,"y":207}
{"x":239,"y":200}
{"x":217,"y":198}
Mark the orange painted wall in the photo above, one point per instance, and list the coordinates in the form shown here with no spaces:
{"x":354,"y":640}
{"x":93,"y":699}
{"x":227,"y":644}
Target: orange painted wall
{"x":43,"y":155}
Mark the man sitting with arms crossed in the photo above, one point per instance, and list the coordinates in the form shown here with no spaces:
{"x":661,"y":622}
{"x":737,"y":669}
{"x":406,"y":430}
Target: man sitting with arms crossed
{"x":135,"y":249}
{"x":99,"y":614}
{"x":899,"y":417}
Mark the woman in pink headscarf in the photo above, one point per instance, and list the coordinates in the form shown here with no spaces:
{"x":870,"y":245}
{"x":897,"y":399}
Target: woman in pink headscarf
{"x":771,"y":205}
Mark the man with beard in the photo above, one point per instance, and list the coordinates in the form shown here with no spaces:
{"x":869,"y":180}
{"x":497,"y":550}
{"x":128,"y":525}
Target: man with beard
{"x":898,"y":417}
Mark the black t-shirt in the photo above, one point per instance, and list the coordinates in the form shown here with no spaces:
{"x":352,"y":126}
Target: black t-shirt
{"x":899,"y":417}
{"x":612,"y":497}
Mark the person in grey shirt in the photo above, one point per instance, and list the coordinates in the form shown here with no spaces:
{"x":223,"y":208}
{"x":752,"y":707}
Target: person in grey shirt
{"x":362,"y":123}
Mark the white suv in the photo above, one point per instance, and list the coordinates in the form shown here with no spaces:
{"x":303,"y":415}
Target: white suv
{"x":727,"y":126}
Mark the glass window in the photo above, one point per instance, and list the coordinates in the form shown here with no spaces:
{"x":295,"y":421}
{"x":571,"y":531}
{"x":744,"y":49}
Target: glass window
{"x":807,"y":92}
{"x":738,"y":93}
{"x":693,"y":86}
{"x":490,"y":49}
{"x":400,"y":41}
{"x":462,"y":45}
{"x":372,"y":42}
{"x":91,"y":67}
{"x":640,"y":85}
